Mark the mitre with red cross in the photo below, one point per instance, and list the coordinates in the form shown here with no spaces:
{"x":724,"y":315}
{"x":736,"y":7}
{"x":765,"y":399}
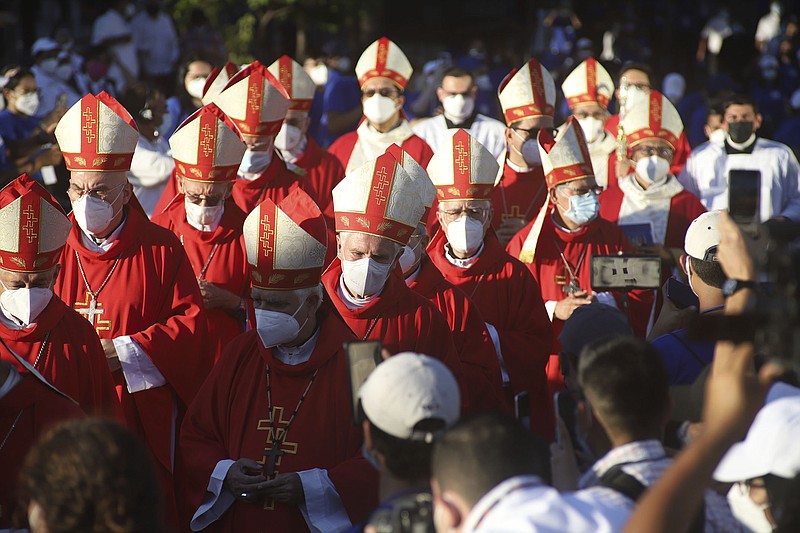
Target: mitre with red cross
{"x":528,"y":92}
{"x":565,"y":158}
{"x":462,"y":168}
{"x":255,"y":101}
{"x":379,"y":198}
{"x":207,"y":146}
{"x":217,"y":81}
{"x":655,"y":118}
{"x":286,"y":243}
{"x":425,"y":187}
{"x":384,"y":59}
{"x":33,"y":227}
{"x":589,"y":83}
{"x":97,"y":134}
{"x":296,"y":81}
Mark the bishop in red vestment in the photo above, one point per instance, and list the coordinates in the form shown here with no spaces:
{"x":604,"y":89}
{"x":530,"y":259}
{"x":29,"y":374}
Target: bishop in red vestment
{"x":468,"y":254}
{"x":38,"y":332}
{"x":270,"y":443}
{"x":558,"y":246}
{"x":207,"y":150}
{"x":383,"y":71}
{"x":28,"y":408}
{"x":131,"y":279}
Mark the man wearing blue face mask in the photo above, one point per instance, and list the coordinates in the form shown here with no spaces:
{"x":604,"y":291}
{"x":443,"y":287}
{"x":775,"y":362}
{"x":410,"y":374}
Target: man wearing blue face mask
{"x":270,"y":436}
{"x":557,"y":247}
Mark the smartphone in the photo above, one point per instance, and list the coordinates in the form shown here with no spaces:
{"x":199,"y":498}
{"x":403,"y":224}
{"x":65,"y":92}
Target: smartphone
{"x":680,"y":294}
{"x":567,"y":409}
{"x":362,"y":358}
{"x":522,"y":409}
{"x":625,"y":272}
{"x":744,"y":198}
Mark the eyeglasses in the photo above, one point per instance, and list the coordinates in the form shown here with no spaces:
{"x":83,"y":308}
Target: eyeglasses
{"x":579,"y":191}
{"x":383,"y":91}
{"x":478,"y":213}
{"x":647,"y":151}
{"x":532,"y":133}
{"x":75,"y":193}
{"x":210,"y":200}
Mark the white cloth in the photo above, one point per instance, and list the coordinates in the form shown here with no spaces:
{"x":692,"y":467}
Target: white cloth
{"x":139,"y":370}
{"x":457,"y":261}
{"x":526,"y":504}
{"x":496,"y":342}
{"x":371,"y":143}
{"x":12,"y":380}
{"x":599,"y":152}
{"x":50,"y":89}
{"x":295,"y":355}
{"x":151,"y":167}
{"x":769,"y":26}
{"x":98,"y":247}
{"x":351,"y":301}
{"x":156,"y":41}
{"x":110,"y":25}
{"x":706,"y":176}
{"x":489,"y":132}
{"x":715,"y":32}
{"x":650,"y":206}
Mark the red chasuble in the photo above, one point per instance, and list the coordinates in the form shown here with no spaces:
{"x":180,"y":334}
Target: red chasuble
{"x":401,"y":319}
{"x":218,"y":257}
{"x":518,"y":195}
{"x":479,"y":364}
{"x":229,"y":419}
{"x":72,"y":359}
{"x":152,"y":296}
{"x":508,"y":298}
{"x":682,"y":151}
{"x":38,"y":408}
{"x":413,"y":146}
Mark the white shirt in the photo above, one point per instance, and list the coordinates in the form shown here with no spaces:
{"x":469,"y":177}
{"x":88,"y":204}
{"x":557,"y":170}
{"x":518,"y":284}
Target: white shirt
{"x":157,"y":41}
{"x":706,"y":176}
{"x":109,"y":25}
{"x":489,"y":132}
{"x":151,"y":167}
{"x":526,"y":504}
{"x":769,"y":26}
{"x":50,"y":88}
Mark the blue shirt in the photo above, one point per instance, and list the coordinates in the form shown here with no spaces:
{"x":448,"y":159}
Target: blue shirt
{"x":684,"y":358}
{"x":342,"y":93}
{"x":16,"y":128}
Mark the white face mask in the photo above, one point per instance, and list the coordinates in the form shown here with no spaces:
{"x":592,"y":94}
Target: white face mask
{"x":634,"y":97}
{"x":94,"y":215}
{"x":408,"y":261}
{"x":379,"y":109}
{"x":28,"y":104}
{"x":319,"y":74}
{"x":255,"y":162}
{"x":50,"y":66}
{"x":275,"y":328}
{"x":592,"y":128}
{"x":195,"y":87}
{"x":530,"y":151}
{"x":288,"y":137}
{"x":366,"y":276}
{"x":458,"y":107}
{"x":203,"y":215}
{"x":465,"y":235}
{"x":25,"y":304}
{"x":652,"y":169}
{"x":717,"y":136}
{"x":748,"y":512}
{"x":583,"y":208}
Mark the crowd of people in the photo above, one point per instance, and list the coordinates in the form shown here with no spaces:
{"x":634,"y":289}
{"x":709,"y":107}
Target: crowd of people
{"x":323,"y":295}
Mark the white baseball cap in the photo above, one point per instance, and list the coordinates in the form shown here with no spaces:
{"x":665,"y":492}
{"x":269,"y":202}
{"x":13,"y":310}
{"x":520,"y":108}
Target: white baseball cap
{"x":407,"y":389}
{"x":702,"y":237}
{"x":44,"y":44}
{"x":770,"y":446}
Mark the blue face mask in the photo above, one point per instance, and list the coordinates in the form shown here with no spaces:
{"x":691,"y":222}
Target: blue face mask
{"x":582,"y":208}
{"x":255,"y":162}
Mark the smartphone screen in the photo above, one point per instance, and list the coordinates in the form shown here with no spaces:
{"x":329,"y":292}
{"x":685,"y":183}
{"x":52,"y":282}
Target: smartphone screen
{"x":362,"y":358}
{"x":744,"y":191}
{"x":522,"y":409}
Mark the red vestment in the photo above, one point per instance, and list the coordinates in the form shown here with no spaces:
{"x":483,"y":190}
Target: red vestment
{"x":508,"y":298}
{"x":518,"y":195}
{"x":479,"y":364}
{"x":153,"y":297}
{"x":229,"y":419}
{"x":73,"y":361}
{"x":38,"y":408}
{"x":221,"y":253}
{"x":682,"y":151}
{"x":401,"y":319}
{"x":413,"y":146}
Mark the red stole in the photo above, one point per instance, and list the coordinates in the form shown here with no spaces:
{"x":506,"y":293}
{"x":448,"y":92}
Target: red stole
{"x":518,"y":195}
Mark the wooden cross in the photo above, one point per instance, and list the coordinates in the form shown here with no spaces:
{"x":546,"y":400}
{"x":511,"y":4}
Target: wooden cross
{"x":266,"y":236}
{"x":379,"y":187}
{"x":91,"y":309}
{"x":29,"y":227}
{"x":275,"y":447}
{"x":88,"y":124}
{"x":515,"y":213}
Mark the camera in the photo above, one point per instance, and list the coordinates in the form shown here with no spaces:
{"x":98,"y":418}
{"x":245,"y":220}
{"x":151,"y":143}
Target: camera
{"x":412,"y":513}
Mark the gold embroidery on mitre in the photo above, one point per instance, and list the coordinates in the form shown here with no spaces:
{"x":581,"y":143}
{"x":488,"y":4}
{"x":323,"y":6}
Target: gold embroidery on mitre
{"x":300,"y":278}
{"x":440,"y":192}
{"x":401,"y":232}
{"x":454,"y":191}
{"x":99,"y":161}
{"x":363,"y":221}
{"x":181,"y":168}
{"x":18,"y":261}
{"x":383,"y":226}
{"x":213,"y":174}
{"x":276,"y":278}
{"x":471,"y":191}
{"x":518,"y":112}
{"x":80,"y":160}
{"x":244,"y":127}
{"x":120,"y":161}
{"x":195,"y":171}
{"x":568,"y":171}
{"x":345,"y":220}
{"x":256,"y":275}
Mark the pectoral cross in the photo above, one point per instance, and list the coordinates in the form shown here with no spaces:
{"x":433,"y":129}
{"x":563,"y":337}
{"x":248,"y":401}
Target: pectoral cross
{"x":274,"y":448}
{"x":91,"y":309}
{"x":274,"y":454}
{"x":515,"y":213}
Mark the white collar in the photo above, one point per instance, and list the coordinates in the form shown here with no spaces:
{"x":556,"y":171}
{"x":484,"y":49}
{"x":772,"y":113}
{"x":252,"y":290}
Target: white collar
{"x":351,"y":301}
{"x":519,"y":169}
{"x":296,"y":355}
{"x":741,"y":146}
{"x":414,"y":275}
{"x":562,"y":228}
{"x":11,"y":381}
{"x":90,"y":243}
{"x":458,"y":262}
{"x":291,"y":156}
